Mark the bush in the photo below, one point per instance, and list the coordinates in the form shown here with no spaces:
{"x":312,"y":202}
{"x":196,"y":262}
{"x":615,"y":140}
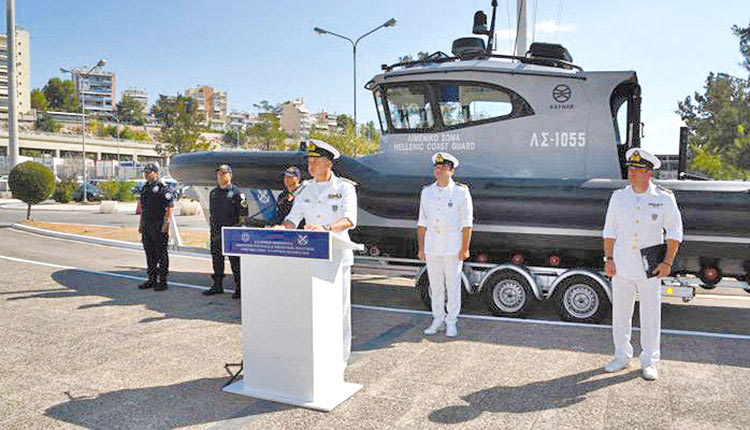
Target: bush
{"x":110,"y":189}
{"x":124,"y":194}
{"x":64,"y":191}
{"x":32,"y":183}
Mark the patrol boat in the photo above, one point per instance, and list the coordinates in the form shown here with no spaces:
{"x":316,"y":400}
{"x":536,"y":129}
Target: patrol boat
{"x":541,"y":144}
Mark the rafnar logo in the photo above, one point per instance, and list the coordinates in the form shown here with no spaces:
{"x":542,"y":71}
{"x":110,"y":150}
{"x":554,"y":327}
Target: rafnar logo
{"x":561,"y":94}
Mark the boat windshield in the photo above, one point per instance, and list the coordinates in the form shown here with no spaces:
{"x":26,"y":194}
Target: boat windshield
{"x":444,"y":105}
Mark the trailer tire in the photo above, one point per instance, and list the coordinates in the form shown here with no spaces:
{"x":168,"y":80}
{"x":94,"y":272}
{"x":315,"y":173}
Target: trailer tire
{"x":508,"y":294}
{"x":423,"y":289}
{"x":582,"y":299}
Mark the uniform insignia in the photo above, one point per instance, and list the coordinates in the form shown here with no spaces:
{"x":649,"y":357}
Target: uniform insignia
{"x":439,"y":158}
{"x":666,"y":190}
{"x":290,"y":197}
{"x":654,"y":216}
{"x":307,"y":200}
{"x":450,"y":204}
{"x":348,"y":181}
{"x":656,"y":205}
{"x":168,"y":196}
{"x":242,"y":196}
{"x":243,"y":203}
{"x":463,"y":185}
{"x":230,"y":194}
{"x":334,"y":196}
{"x":335,"y":208}
{"x":155,"y":189}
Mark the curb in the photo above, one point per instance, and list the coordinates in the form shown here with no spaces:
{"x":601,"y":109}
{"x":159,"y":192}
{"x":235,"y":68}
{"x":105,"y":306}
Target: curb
{"x":193,"y":251}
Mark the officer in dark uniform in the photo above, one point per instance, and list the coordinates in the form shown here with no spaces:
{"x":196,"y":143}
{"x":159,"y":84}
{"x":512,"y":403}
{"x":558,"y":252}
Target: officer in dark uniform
{"x":228,"y":208}
{"x":292,"y":187}
{"x":157,"y":203}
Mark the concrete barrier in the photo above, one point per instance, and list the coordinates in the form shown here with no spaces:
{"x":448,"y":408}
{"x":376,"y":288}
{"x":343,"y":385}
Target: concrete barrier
{"x":189,"y":208}
{"x":108,"y":207}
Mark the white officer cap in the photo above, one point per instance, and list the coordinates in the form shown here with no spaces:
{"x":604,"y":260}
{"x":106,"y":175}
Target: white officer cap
{"x":640,"y":158}
{"x":318,"y":148}
{"x":444,"y":158}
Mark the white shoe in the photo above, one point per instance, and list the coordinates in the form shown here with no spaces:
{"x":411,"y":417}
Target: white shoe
{"x":451,"y":331}
{"x":434,"y":327}
{"x":650,"y":373}
{"x":616,"y":365}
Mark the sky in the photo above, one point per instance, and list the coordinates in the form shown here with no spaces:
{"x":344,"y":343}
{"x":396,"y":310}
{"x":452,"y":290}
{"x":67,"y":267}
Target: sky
{"x":267,"y":50}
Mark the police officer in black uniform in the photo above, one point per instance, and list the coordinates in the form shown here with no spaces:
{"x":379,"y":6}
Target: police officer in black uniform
{"x":157,"y":203}
{"x":228,"y":208}
{"x":292,"y":187}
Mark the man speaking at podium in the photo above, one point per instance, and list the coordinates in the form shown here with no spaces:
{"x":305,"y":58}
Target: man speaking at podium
{"x":328,"y":203}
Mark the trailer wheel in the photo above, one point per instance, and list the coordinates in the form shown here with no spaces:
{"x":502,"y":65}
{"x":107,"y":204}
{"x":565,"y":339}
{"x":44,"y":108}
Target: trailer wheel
{"x":423,"y":289}
{"x":582,"y":299}
{"x":508,"y":294}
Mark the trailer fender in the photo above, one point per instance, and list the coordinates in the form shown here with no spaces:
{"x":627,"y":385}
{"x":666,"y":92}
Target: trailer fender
{"x":516,"y":268}
{"x":464,"y":279}
{"x":583,"y":272}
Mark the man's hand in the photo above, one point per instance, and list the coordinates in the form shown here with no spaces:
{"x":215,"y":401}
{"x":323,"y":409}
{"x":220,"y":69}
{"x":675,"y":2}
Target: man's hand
{"x":609,"y":268}
{"x":277,"y":227}
{"x":140,"y":228}
{"x":420,"y":254}
{"x":314,"y":227}
{"x":165,"y":227}
{"x":463,"y":254}
{"x":662,"y":270}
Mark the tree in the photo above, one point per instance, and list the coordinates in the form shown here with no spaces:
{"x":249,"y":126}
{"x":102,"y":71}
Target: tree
{"x":32,"y":183}
{"x":343,"y":122}
{"x":267,"y":134}
{"x":348,"y":143}
{"x":235,"y":137}
{"x":61,"y":95}
{"x":265,"y":107}
{"x":46,"y":123}
{"x":180,"y":130}
{"x":719,"y":121}
{"x":130,"y":111}
{"x":38,"y":101}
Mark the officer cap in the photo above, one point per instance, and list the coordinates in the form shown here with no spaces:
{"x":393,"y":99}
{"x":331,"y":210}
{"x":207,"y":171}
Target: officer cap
{"x":445,"y":158}
{"x":318,"y":148}
{"x":292,"y":171}
{"x":639,"y":158}
{"x":224,"y":168}
{"x":151,"y":167}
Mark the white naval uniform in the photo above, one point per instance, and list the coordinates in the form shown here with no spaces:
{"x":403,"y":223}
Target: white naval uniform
{"x":637,"y":221}
{"x":444,"y":212}
{"x":325,"y":203}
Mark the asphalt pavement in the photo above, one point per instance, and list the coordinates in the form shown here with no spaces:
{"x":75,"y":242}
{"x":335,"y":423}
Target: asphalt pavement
{"x":84,"y":348}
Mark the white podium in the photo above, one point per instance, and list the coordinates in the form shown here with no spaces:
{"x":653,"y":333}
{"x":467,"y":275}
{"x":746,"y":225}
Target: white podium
{"x":292,"y":315}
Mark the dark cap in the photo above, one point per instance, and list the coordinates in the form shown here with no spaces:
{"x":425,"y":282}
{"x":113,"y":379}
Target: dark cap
{"x":224,"y":168}
{"x":292,"y":171}
{"x":151,"y":167}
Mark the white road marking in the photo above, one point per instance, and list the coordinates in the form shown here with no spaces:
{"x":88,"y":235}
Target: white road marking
{"x":729,"y":336}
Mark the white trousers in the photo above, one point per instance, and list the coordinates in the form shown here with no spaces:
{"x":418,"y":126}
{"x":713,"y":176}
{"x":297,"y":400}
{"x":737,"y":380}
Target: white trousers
{"x":347,"y":275}
{"x":444,"y":272}
{"x":623,"y":295}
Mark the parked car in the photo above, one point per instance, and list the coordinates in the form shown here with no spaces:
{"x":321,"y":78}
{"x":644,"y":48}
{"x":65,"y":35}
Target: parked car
{"x":93,"y":193}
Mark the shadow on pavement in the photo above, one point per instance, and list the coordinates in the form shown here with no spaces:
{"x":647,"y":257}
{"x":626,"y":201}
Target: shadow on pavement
{"x":184,"y":404}
{"x":536,"y":396}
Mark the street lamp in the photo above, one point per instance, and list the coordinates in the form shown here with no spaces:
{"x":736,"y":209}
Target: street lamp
{"x":390,"y":23}
{"x":73,"y":73}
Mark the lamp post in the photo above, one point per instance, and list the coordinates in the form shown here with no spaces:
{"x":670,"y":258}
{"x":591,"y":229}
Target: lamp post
{"x":390,"y":23}
{"x":73,"y":73}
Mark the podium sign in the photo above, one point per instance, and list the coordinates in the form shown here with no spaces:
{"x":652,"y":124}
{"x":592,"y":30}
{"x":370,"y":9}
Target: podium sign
{"x":241,"y":241}
{"x":292,"y":315}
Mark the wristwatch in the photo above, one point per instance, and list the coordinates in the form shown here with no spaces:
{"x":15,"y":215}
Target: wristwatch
{"x":605,"y":259}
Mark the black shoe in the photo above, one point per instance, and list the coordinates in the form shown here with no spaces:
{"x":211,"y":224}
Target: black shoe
{"x":146,"y":285}
{"x":211,"y":291}
{"x":236,"y":294}
{"x":162,"y":286}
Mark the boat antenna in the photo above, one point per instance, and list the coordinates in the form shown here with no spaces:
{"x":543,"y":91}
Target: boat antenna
{"x":491,"y":39}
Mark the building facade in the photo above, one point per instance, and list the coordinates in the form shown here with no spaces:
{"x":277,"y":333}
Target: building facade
{"x":212,"y":104}
{"x":295,"y":118}
{"x":23,"y":71}
{"x":141,"y":96}
{"x":96,"y":90}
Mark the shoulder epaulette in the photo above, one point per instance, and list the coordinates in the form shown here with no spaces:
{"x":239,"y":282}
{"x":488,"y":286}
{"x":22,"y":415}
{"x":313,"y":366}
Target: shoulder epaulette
{"x":462,"y":185}
{"x":348,"y":181}
{"x":666,"y":190}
